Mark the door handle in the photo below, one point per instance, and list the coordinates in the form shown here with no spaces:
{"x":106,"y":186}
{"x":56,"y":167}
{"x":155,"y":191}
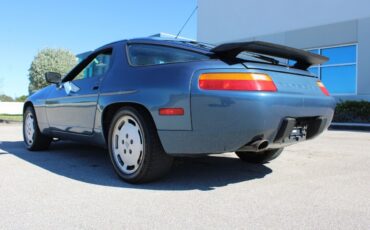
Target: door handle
{"x":96,"y":87}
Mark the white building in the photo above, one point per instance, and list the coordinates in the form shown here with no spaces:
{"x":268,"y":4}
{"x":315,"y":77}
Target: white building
{"x":338,"y":29}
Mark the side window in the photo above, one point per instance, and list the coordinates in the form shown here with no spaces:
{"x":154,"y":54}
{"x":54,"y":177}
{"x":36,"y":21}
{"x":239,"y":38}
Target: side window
{"x":98,"y":66}
{"x":143,"y":55}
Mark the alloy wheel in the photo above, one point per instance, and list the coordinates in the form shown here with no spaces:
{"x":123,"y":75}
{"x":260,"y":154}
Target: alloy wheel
{"x":29,"y":128}
{"x":127,"y":144}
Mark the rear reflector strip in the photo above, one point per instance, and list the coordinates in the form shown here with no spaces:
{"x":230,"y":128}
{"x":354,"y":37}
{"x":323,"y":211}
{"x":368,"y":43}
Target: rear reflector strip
{"x":171,"y":111}
{"x":323,"y":88}
{"x":237,"y":81}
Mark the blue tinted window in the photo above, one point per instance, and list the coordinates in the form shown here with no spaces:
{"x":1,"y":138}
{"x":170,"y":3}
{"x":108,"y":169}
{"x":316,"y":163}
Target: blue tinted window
{"x":339,"y":79}
{"x":291,"y":62}
{"x":144,"y":55}
{"x":98,"y":66}
{"x":339,"y":73}
{"x":315,"y":51}
{"x":314,"y":70}
{"x":340,"y":55}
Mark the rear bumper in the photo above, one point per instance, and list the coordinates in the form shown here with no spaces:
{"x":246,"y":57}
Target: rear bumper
{"x":294,"y":130}
{"x":226,"y":123}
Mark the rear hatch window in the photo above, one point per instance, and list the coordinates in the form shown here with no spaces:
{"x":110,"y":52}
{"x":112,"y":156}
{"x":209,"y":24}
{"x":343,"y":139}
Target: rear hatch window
{"x":145,"y":55}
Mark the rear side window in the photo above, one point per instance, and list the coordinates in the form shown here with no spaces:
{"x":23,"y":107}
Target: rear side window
{"x":144,"y":55}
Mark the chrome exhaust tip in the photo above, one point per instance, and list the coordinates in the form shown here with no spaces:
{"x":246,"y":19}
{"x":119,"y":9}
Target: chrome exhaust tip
{"x":262,"y":145}
{"x":256,"y":146}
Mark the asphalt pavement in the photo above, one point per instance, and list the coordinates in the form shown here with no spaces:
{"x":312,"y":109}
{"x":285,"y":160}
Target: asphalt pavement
{"x":318,"y":184}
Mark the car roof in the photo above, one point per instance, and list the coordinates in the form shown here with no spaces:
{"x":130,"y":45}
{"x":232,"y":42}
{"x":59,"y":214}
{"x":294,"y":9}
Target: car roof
{"x":172,"y":42}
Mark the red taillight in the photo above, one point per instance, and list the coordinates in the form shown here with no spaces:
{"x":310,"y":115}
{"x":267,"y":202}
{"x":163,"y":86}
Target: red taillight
{"x":322,"y":87}
{"x":171,"y":111}
{"x":237,"y":81}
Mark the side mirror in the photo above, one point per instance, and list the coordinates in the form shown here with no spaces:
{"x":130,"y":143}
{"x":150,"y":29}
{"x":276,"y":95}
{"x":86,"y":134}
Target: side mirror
{"x":52,"y":77}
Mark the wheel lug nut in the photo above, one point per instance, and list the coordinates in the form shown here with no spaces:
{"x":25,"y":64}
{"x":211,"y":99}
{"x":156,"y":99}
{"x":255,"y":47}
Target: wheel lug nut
{"x":126,"y":135}
{"x":132,"y":141}
{"x":123,"y":141}
{"x":130,"y":151}
{"x":124,"y":151}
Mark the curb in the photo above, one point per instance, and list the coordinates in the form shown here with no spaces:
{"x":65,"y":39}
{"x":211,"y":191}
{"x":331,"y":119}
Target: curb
{"x":7,"y":122}
{"x":350,"y":126}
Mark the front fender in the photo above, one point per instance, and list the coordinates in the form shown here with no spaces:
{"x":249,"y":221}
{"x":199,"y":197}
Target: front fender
{"x":37,"y":100}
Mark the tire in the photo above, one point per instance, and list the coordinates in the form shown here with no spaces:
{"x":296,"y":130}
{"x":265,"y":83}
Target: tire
{"x":134,"y":147}
{"x":34,"y":140}
{"x":259,"y":157}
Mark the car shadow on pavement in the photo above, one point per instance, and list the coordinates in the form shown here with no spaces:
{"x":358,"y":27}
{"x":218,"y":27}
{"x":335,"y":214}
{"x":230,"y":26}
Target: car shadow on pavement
{"x":92,"y":165}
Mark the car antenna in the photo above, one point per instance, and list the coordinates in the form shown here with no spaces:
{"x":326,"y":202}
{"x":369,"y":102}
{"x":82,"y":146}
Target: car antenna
{"x":191,"y":15}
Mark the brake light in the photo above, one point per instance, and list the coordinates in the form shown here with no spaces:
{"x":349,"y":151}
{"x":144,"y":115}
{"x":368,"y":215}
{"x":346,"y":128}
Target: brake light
{"x":322,"y":87}
{"x":237,"y":81}
{"x":171,"y":111}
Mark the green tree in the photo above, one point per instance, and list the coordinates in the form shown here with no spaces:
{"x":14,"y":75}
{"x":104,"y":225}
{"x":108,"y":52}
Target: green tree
{"x":21,"y":98}
{"x":49,"y":60}
{"x":5,"y":98}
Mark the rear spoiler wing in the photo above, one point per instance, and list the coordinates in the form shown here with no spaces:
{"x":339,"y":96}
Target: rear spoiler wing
{"x":303,"y":58}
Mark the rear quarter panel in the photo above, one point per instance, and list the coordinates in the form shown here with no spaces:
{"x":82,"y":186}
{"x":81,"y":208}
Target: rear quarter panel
{"x":154,"y":87}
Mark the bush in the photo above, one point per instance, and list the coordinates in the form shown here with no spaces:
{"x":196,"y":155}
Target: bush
{"x":352,"y":111}
{"x":21,"y":98}
{"x":6,"y":98}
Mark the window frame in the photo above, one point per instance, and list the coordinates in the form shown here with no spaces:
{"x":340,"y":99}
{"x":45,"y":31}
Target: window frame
{"x":320,"y":66}
{"x":85,"y":62}
{"x":161,"y":45}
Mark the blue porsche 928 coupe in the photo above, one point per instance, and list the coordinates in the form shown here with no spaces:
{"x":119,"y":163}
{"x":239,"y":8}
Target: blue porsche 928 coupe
{"x":148,"y":100}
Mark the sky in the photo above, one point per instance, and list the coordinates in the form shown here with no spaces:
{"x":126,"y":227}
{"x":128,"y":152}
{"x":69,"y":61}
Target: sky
{"x":26,"y":27}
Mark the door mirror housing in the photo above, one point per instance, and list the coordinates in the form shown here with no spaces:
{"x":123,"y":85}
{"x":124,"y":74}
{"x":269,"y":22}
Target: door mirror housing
{"x":53,"y":77}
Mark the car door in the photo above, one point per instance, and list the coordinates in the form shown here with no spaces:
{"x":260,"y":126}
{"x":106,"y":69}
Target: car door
{"x":71,"y":106}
